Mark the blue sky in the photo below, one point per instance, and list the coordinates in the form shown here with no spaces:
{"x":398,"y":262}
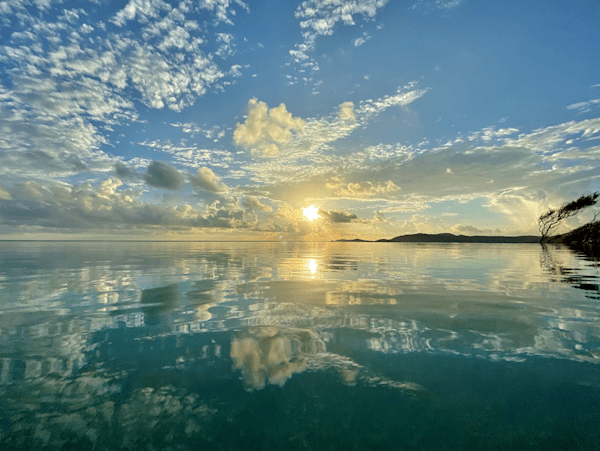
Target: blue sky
{"x":220,"y":119}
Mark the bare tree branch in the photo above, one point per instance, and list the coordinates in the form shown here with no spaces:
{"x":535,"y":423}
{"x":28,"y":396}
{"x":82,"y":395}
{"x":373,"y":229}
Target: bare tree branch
{"x":552,"y":218}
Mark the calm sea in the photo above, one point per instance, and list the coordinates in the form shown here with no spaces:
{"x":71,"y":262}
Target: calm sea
{"x":298,"y":346}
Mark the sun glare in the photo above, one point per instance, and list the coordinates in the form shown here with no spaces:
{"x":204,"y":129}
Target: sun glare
{"x":311,"y":213}
{"x":312,"y":266}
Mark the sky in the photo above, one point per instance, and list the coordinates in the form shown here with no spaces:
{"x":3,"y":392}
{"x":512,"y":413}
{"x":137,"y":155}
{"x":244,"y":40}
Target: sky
{"x":228,"y":120}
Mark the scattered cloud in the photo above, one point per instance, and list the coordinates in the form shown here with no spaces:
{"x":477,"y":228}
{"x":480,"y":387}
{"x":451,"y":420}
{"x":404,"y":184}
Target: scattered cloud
{"x":404,"y":96}
{"x":48,"y":127}
{"x":436,"y":4}
{"x":320,"y":17}
{"x":66,"y":85}
{"x":188,"y":127}
{"x":168,"y":83}
{"x":576,"y":154}
{"x":584,"y":107}
{"x":361,"y":40}
{"x":361,"y":190}
{"x":226,"y":47}
{"x":346,"y":111}
{"x":547,"y":139}
{"x":190,"y":155}
{"x":142,"y":10}
{"x":490,"y":133}
{"x":358,"y":42}
{"x":214,"y":133}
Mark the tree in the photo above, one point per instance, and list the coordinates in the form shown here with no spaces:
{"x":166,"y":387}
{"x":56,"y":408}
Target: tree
{"x":551,"y":218}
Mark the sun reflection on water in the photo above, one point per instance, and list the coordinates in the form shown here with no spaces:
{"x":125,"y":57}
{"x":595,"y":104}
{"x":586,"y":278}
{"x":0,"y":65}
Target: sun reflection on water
{"x":312,"y":266}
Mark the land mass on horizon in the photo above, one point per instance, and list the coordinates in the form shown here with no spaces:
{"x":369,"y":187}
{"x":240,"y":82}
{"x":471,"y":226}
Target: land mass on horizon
{"x":450,"y":238}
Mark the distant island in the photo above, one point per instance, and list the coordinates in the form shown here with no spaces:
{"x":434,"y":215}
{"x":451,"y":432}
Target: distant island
{"x":449,"y":238}
{"x":585,"y":239}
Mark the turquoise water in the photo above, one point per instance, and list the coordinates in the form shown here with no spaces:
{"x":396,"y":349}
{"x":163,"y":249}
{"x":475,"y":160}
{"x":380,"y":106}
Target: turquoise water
{"x":308,"y":346}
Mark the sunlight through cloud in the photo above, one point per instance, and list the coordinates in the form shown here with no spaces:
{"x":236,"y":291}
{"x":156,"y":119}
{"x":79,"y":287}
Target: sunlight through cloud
{"x":311,"y":213}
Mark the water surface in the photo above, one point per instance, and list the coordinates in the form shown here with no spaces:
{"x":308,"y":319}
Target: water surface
{"x":308,"y":346}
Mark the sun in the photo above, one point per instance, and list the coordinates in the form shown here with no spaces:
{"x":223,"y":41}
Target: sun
{"x":311,"y":213}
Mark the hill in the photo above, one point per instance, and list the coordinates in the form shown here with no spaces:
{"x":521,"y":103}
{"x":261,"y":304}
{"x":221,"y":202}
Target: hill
{"x":585,"y":239}
{"x":355,"y":240}
{"x":450,"y":238}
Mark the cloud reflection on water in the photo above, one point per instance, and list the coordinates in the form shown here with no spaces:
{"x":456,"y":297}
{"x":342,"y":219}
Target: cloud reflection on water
{"x":267,"y":357}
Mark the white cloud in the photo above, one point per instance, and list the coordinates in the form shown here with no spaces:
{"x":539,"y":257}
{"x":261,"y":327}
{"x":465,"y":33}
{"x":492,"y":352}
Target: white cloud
{"x":252,"y":203}
{"x":358,"y":42}
{"x":47,"y":126}
{"x":208,"y":180}
{"x":264,"y":129}
{"x":592,"y":153}
{"x":86,"y":29}
{"x":322,"y":15}
{"x":584,"y":107}
{"x":361,"y":40}
{"x":319,"y":18}
{"x":310,"y":153}
{"x":164,"y":60}
{"x":226,"y":45}
{"x":163,"y":82}
{"x":4,"y":194}
{"x":547,"y":139}
{"x":69,"y":87}
{"x":214,"y":133}
{"x":178,"y":38}
{"x":362,"y":189}
{"x":141,"y":10}
{"x":187,"y":127}
{"x":144,"y":10}
{"x":385,"y":152}
{"x":436,"y":4}
{"x":490,"y":133}
{"x":404,"y":96}
{"x":192,"y":156}
{"x":346,"y":111}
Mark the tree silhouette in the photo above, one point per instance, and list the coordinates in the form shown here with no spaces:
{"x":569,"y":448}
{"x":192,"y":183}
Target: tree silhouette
{"x":552,"y":218}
